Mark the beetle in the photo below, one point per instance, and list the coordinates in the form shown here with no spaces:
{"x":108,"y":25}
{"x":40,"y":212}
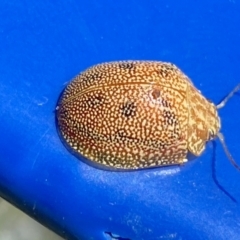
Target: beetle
{"x":137,"y":114}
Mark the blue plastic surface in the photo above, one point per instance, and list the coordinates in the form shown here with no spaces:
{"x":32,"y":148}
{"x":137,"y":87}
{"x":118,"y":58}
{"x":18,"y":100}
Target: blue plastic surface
{"x":43,"y":44}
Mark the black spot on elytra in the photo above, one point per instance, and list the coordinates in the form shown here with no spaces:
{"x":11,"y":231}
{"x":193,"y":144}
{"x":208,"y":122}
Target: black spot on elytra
{"x":90,"y":76}
{"x":126,"y":65}
{"x":165,"y":103}
{"x":163,"y":72}
{"x":121,"y":133}
{"x":94,"y":101}
{"x":93,"y":76}
{"x":128,"y":109}
{"x":170,"y":118}
{"x":167,"y":71}
{"x":170,"y":67}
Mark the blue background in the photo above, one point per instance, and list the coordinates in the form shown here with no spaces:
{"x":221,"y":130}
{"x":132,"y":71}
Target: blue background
{"x":44,"y":44}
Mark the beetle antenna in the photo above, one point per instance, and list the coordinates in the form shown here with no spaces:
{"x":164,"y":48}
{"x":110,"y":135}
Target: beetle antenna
{"x":224,"y":101}
{"x":229,"y":156}
{"x":220,"y":135}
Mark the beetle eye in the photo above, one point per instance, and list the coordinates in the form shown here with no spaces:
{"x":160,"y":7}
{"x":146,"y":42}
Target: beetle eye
{"x":210,"y":100}
{"x":211,"y":134}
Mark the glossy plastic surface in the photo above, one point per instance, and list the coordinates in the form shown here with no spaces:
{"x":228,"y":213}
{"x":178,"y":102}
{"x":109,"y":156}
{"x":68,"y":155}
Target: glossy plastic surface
{"x":43,"y":44}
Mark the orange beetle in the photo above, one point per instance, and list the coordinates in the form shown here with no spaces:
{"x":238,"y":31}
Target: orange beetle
{"x":137,"y":114}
